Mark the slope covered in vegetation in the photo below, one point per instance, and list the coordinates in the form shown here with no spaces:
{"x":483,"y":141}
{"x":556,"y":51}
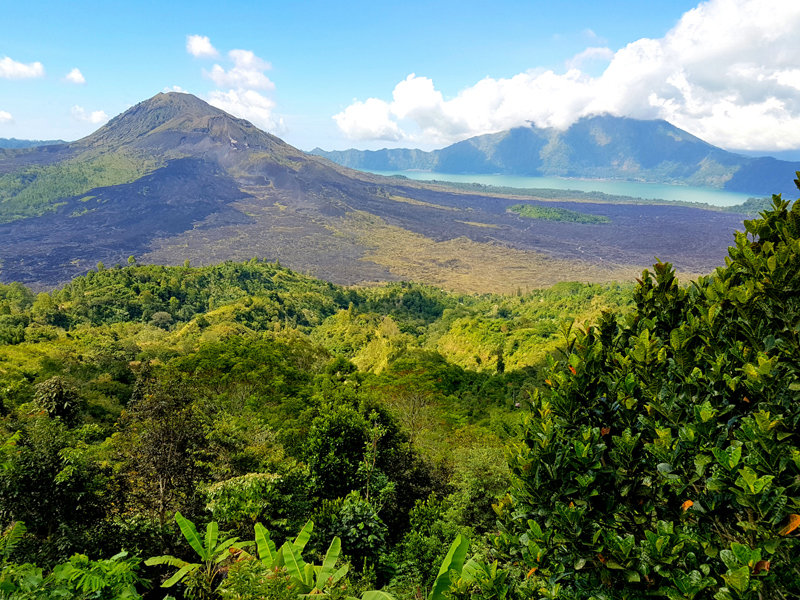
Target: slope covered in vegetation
{"x":650,"y":435}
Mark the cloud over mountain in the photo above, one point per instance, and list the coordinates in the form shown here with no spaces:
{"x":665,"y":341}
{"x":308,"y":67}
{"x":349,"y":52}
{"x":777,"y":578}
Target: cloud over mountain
{"x":240,"y":86}
{"x":728,"y":72}
{"x":81,"y":114}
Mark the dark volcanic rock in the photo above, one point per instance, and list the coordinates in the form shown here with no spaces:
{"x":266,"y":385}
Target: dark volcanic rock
{"x":117,"y":221}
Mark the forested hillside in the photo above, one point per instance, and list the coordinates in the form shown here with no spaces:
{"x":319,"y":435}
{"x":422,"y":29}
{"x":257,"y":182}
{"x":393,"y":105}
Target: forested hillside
{"x":583,"y":441}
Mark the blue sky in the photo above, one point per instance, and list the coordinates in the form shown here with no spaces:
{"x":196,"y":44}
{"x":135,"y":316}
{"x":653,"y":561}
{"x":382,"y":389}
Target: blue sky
{"x":351,"y":59}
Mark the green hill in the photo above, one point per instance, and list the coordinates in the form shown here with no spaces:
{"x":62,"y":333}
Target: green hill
{"x":583,"y":441}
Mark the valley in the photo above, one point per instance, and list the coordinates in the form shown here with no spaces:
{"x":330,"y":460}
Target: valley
{"x":174,"y":179}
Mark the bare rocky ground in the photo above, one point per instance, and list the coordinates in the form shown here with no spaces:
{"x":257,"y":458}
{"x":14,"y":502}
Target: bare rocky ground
{"x":230,"y":192}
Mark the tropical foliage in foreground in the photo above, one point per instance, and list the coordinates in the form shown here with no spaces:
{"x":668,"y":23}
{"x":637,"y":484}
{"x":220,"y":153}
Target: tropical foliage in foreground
{"x":664,"y":458}
{"x":411,"y":436}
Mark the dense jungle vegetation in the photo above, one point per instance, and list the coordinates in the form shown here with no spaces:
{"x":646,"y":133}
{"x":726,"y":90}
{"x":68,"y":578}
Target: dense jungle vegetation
{"x":243,"y":431}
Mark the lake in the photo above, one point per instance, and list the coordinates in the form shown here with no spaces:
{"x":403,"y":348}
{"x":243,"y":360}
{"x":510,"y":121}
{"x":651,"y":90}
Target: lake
{"x":650,"y":191}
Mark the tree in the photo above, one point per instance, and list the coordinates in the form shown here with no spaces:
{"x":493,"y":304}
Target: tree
{"x":664,"y":457}
{"x":58,"y":398}
{"x":161,"y":444}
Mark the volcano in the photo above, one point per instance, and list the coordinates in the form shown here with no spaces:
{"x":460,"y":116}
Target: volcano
{"x":174,"y":179}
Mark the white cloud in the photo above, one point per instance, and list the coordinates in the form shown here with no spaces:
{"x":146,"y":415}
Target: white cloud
{"x":728,"y":72}
{"x":11,"y":69}
{"x":96,"y":117}
{"x":200,"y":46}
{"x":5,"y":117}
{"x":250,"y":105}
{"x":239,"y":90}
{"x":75,"y":76}
{"x":175,"y":88}
{"x":368,"y":120}
{"x":590,"y":54}
{"x":247,"y":72}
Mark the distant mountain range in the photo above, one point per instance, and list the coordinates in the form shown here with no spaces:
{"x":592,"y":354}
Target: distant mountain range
{"x":600,"y":147}
{"x":15,"y":143}
{"x":175,"y":179}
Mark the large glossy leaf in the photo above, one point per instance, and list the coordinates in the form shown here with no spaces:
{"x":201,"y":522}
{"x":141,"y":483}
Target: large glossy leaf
{"x":165,"y":560}
{"x":266,"y":547}
{"x":189,"y":531}
{"x":329,"y":562}
{"x":454,"y":560}
{"x":182,"y":572}
{"x":339,"y":574}
{"x":212,"y":534}
{"x":220,"y":550}
{"x":302,"y":538}
{"x":295,"y":565}
{"x":376,"y":595}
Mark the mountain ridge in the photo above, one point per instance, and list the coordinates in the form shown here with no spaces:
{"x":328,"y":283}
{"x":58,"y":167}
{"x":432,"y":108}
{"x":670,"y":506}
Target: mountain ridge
{"x":14,"y":143}
{"x":598,"y":147}
{"x":174,"y":179}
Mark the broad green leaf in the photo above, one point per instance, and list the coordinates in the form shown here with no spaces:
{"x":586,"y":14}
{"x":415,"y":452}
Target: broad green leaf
{"x":341,"y":572}
{"x":189,"y":531}
{"x":742,"y":553}
{"x":266,"y":547}
{"x":180,"y":574}
{"x":329,"y":562}
{"x":165,"y":560}
{"x":220,"y":550}
{"x":302,"y":538}
{"x":376,"y":595}
{"x":739,"y":579}
{"x":295,"y":565}
{"x":212,"y":534}
{"x":453,"y":560}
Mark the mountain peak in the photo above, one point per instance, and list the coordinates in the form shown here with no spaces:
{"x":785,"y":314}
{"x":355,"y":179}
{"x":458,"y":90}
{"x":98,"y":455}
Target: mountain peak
{"x":171,"y":120}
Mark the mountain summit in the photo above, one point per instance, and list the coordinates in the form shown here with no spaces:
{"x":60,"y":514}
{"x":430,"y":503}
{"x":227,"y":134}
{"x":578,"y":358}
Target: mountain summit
{"x":175,"y":122}
{"x":599,"y":147}
{"x":174,"y":179}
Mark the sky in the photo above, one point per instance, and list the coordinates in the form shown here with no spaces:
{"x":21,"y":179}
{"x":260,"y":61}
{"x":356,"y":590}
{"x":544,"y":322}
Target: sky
{"x":369,"y":75}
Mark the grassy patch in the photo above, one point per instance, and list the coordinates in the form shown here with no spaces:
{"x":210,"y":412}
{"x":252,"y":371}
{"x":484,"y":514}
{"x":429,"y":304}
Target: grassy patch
{"x":547,"y":213}
{"x":420,"y":203}
{"x":475,"y":224}
{"x":32,"y":191}
{"x":464,"y":265}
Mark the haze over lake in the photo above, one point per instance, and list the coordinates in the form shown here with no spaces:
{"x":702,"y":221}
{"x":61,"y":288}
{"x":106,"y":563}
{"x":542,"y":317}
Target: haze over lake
{"x":635,"y":189}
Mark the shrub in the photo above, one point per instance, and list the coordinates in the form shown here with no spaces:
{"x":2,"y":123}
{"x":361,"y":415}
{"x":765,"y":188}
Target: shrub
{"x":664,"y":458}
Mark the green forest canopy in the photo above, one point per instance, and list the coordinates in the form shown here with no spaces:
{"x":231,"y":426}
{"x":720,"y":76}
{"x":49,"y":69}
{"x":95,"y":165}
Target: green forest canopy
{"x":582,"y":441}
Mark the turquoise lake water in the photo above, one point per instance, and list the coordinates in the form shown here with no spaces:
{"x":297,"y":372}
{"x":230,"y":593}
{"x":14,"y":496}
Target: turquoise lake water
{"x":650,"y":191}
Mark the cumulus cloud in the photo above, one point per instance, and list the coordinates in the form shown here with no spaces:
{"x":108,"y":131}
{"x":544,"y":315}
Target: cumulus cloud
{"x":728,"y":72}
{"x":239,"y":90}
{"x":11,"y":69}
{"x":248,"y":104}
{"x":81,"y":114}
{"x":368,"y":120}
{"x":5,"y":117}
{"x":200,"y":46}
{"x":590,"y":54}
{"x":175,"y":88}
{"x":75,"y":76}
{"x":247,"y":72}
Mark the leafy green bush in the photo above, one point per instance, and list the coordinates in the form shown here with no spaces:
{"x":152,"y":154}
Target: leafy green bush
{"x":664,"y":458}
{"x":78,"y":579}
